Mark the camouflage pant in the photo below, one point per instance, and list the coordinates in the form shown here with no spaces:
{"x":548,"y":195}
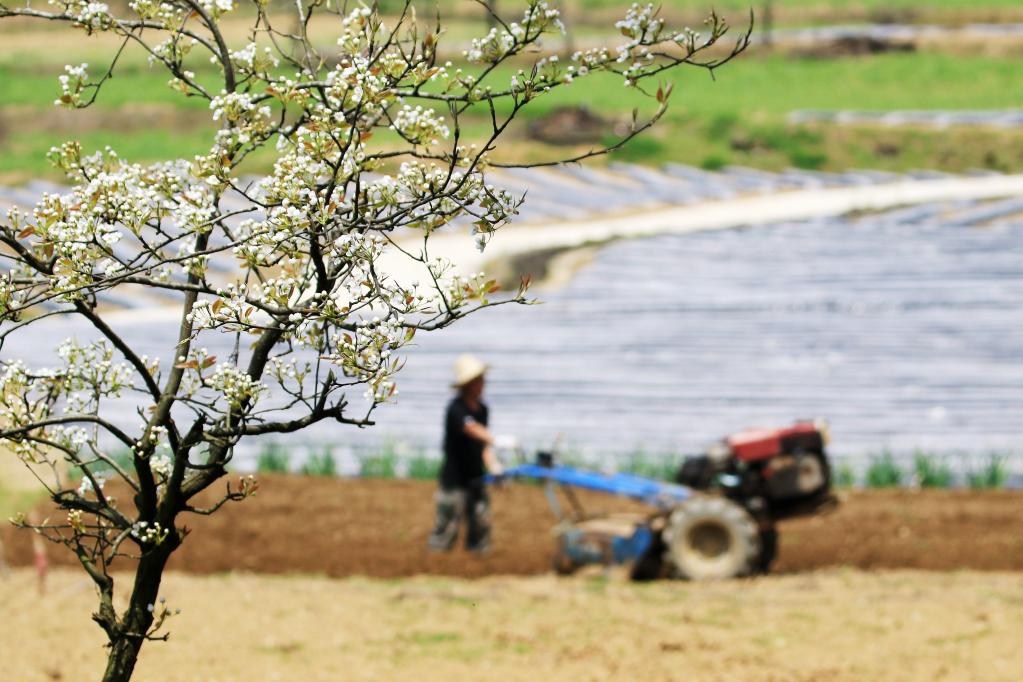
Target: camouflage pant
{"x":454,"y":505}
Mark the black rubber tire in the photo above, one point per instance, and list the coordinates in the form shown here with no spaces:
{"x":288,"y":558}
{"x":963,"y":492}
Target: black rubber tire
{"x":712,"y":538}
{"x":768,"y":550}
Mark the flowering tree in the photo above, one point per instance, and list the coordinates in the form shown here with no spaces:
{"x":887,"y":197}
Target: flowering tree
{"x":370,"y":159}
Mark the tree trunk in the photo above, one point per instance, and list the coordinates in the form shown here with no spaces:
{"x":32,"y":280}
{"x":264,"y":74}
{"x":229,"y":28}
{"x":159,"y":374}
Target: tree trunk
{"x":121,"y":660}
{"x":135,"y":622}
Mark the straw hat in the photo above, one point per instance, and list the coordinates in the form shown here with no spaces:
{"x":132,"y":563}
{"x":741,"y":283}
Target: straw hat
{"x":468,"y":368}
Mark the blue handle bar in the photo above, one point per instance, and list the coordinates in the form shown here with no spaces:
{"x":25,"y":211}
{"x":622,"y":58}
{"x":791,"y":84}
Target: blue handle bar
{"x":655,"y":493}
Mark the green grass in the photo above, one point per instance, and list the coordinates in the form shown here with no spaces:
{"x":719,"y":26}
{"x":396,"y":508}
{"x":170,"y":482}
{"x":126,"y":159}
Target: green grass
{"x":931,"y":472}
{"x":24,"y":154}
{"x":26,"y":81}
{"x":754,"y":86}
{"x":844,"y":476}
{"x":883,"y":472}
{"x":321,"y":464}
{"x":994,"y":474}
{"x":384,"y":462}
{"x":658,"y":466}
{"x":272,"y":459}
{"x":384,"y":465}
{"x":925,"y":470}
{"x":423,"y":468}
{"x":739,"y":119}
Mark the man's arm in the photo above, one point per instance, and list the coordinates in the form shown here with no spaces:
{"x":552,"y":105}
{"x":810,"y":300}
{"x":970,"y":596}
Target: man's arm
{"x":491,"y":462}
{"x":477,"y":431}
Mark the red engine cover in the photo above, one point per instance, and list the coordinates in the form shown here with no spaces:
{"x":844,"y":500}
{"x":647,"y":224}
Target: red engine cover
{"x":755,"y":444}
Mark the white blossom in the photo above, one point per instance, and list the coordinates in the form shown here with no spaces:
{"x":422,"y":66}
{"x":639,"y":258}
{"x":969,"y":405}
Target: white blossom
{"x":72,"y":83}
{"x":235,"y":385}
{"x":161,"y":465}
{"x":86,"y":486}
{"x":420,"y":126}
{"x":148,"y":533}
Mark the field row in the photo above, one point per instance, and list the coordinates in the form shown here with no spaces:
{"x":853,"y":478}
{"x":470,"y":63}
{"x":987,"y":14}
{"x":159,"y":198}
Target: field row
{"x":373,"y":527}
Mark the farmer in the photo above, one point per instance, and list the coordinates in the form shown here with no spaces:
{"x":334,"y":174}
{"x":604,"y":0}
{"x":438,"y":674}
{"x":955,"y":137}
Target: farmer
{"x":468,"y":455}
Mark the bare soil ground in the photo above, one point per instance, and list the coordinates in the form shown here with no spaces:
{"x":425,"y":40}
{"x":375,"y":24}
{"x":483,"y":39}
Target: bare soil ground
{"x":378,"y":528}
{"x":837,"y":625}
{"x":818,"y":619}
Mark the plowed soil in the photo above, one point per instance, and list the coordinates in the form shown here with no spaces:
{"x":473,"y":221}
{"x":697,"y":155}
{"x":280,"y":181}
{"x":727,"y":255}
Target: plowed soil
{"x":341,"y":527}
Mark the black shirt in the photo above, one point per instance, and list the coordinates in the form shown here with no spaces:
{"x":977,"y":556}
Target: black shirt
{"x":463,"y":455}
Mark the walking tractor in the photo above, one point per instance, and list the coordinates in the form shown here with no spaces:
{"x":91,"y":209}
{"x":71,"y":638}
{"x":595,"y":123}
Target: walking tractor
{"x":717,"y":521}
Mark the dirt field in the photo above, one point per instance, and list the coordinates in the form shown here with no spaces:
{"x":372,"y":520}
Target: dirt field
{"x":837,"y":625}
{"x":818,"y":619}
{"x":378,"y":528}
